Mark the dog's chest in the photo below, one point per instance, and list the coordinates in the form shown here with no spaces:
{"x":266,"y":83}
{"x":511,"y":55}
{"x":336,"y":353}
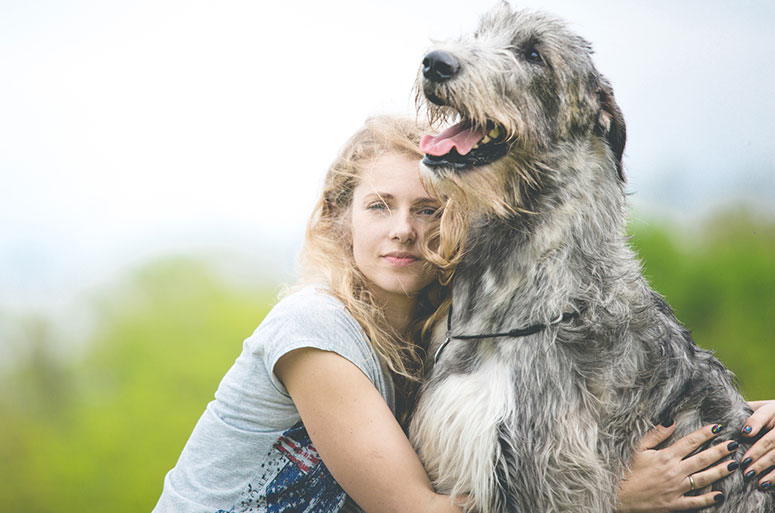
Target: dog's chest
{"x":455,"y":427}
{"x":470,"y":413}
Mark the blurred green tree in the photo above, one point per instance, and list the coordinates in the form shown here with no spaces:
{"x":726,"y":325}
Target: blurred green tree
{"x":720,"y":281}
{"x":101,"y":433}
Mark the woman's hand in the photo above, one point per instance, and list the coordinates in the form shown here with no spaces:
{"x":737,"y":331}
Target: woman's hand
{"x":658,"y":479}
{"x":759,"y":460}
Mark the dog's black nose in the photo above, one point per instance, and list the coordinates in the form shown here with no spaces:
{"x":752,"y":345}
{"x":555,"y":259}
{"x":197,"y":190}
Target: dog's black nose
{"x":440,"y":66}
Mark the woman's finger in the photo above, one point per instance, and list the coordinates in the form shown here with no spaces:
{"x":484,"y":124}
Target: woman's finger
{"x":708,"y":457}
{"x":766,"y":479}
{"x":711,"y":475}
{"x":691,"y":442}
{"x":762,"y":417}
{"x":686,"y":502}
{"x":761,"y":465}
{"x":765,"y":446}
{"x":657,"y":435}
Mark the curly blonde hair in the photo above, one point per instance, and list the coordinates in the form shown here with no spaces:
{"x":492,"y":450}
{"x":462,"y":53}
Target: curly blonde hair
{"x":327,"y":255}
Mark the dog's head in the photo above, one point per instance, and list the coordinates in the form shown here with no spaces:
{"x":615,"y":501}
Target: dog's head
{"x":512,"y":91}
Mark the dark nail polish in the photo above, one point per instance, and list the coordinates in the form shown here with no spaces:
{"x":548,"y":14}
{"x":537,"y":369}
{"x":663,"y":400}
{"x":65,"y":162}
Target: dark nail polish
{"x":719,"y":497}
{"x":746,"y":462}
{"x":765,"y":485}
{"x":747,"y":430}
{"x":749,"y":474}
{"x":732,"y":466}
{"x":732,"y":446}
{"x":716,"y":429}
{"x":667,"y":422}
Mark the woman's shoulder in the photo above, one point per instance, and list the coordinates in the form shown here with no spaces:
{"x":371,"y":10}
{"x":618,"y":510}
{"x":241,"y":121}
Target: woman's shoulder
{"x":313,"y":302}
{"x":311,"y":313}
{"x":315,"y":296}
{"x":312,"y":317}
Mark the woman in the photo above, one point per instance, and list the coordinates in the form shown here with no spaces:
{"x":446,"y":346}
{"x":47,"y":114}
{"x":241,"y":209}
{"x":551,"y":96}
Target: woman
{"x":315,"y":382}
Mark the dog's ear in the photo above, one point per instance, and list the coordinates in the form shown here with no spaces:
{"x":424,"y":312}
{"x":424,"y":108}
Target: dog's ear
{"x":610,"y":123}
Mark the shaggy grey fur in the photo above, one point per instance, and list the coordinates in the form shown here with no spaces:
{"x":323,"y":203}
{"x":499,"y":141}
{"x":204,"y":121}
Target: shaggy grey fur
{"x":548,"y":422}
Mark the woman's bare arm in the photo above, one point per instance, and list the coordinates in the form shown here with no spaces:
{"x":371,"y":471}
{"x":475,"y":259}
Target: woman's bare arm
{"x":357,"y":435}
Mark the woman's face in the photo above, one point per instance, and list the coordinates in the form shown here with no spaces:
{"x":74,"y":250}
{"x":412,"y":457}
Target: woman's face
{"x":391,"y":211}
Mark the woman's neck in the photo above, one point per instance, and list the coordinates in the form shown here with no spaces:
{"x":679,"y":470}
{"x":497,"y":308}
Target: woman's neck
{"x":399,"y":312}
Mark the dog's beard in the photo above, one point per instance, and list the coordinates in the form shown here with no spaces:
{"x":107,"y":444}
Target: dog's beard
{"x":496,"y":189}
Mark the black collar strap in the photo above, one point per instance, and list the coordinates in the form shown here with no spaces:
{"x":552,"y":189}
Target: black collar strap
{"x":518,"y":332}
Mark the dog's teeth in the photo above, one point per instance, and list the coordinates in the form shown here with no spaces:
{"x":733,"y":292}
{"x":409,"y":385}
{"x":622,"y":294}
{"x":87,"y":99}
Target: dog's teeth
{"x":475,"y":146}
{"x":495,"y":132}
{"x":486,"y":139}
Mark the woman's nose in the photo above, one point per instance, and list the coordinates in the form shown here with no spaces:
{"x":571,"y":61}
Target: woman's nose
{"x":403,"y":229}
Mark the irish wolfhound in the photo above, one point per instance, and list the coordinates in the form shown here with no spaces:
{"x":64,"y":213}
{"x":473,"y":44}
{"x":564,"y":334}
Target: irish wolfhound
{"x":557,"y":356}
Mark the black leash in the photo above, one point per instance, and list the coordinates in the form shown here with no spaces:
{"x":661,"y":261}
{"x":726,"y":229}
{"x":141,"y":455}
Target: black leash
{"x":518,"y":332}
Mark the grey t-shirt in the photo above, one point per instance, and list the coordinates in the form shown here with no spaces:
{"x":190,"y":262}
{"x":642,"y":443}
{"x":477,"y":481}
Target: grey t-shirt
{"x":249,"y":452}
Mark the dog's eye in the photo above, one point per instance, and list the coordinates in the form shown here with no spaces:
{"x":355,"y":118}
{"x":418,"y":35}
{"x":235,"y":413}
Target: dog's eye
{"x":532,"y":55}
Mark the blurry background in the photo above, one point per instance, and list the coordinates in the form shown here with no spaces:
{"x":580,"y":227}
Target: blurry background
{"x":158,"y":161}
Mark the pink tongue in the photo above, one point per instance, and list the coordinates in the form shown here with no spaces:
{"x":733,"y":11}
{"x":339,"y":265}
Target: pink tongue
{"x":457,"y":136}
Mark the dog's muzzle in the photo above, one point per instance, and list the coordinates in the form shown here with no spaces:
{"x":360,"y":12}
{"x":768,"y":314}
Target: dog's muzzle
{"x":462,"y":145}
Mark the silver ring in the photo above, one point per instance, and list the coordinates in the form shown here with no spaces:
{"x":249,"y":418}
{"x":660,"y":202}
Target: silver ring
{"x":691,"y":483}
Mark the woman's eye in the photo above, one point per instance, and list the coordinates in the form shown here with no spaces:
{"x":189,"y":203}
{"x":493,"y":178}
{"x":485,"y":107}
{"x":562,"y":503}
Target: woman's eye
{"x":378,"y":206}
{"x":427,"y":211}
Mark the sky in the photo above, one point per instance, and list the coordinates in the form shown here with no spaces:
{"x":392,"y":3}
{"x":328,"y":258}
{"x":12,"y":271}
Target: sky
{"x":133,"y":130}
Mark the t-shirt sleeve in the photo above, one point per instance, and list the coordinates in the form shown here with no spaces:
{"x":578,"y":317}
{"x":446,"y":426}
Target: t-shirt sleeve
{"x":316,"y":320}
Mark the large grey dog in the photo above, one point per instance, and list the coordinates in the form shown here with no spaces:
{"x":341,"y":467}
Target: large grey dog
{"x":556,"y":357}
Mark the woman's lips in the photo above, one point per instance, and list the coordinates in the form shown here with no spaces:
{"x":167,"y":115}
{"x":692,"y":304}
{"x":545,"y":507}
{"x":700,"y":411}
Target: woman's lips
{"x":400,"y":259}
